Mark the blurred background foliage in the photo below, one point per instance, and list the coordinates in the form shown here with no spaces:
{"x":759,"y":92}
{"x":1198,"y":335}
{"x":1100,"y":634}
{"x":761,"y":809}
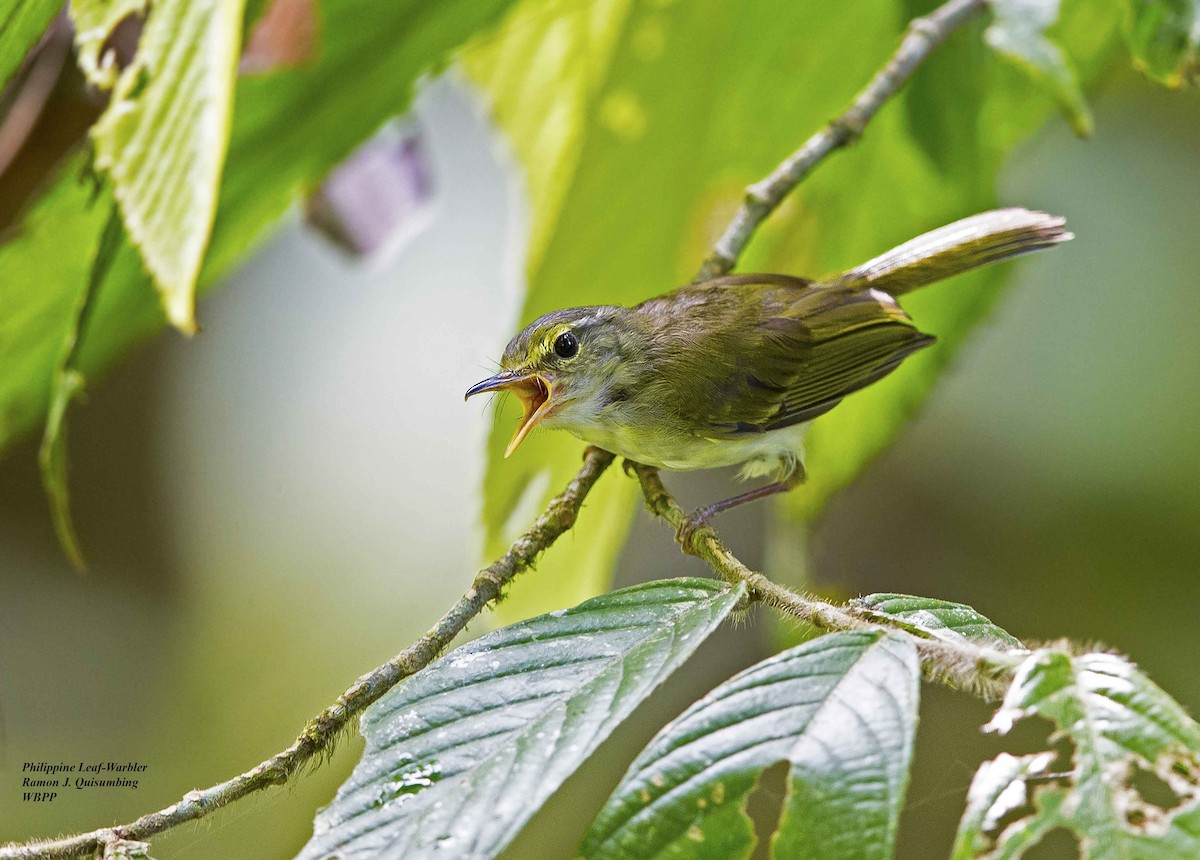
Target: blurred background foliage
{"x":280,"y":503}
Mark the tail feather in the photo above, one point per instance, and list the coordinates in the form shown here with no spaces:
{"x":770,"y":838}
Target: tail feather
{"x":956,"y":248}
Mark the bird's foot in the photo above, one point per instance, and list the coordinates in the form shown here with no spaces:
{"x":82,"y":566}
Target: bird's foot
{"x":686,"y":533}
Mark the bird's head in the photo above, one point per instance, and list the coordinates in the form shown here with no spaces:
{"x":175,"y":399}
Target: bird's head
{"x":560,"y":366}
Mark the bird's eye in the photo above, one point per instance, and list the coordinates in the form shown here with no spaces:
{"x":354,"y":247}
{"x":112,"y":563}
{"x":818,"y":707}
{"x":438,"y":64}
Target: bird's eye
{"x":566,"y":345}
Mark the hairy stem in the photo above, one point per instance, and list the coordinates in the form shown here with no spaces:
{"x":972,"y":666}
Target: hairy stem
{"x":923,"y":37}
{"x":977,"y":669}
{"x":321,"y":731}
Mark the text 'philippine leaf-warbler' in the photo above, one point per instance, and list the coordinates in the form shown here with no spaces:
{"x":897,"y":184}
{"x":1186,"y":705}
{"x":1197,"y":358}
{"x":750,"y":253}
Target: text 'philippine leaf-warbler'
{"x":731,"y":371}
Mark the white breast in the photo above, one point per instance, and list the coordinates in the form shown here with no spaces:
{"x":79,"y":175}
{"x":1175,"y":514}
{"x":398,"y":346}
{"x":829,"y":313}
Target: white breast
{"x":758,"y":453}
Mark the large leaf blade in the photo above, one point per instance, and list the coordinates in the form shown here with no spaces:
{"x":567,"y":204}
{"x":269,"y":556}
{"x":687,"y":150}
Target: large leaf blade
{"x":840,"y":709}
{"x":665,"y":156}
{"x":460,"y":755}
{"x":663,"y":125}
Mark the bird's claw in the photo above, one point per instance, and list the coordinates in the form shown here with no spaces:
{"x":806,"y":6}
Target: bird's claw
{"x":687,"y":531}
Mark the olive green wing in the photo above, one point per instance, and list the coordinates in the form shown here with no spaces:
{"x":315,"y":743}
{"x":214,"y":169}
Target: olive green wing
{"x":793,"y":350}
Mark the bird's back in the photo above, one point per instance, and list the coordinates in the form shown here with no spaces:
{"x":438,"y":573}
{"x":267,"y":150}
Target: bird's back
{"x":749,"y":354}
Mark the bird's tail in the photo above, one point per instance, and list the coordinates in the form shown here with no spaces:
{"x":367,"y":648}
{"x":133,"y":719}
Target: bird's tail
{"x":956,"y":248}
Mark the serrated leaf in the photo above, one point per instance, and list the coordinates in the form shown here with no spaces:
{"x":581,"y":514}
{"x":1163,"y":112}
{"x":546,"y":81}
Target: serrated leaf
{"x":163,"y":136}
{"x":1164,"y":36}
{"x":1119,"y":723}
{"x":941,"y":619}
{"x":840,"y":709}
{"x":22,"y":23}
{"x":1018,"y":33}
{"x":460,"y":755}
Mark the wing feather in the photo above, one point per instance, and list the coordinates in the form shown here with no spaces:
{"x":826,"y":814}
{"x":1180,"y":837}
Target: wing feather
{"x":765,"y":352}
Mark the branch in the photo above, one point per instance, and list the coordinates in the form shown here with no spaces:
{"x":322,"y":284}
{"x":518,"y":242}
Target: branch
{"x":762,"y":198}
{"x":982,"y":671}
{"x":321,"y":731}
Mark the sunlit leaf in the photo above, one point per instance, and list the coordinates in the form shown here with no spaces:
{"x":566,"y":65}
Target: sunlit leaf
{"x":841,"y":710}
{"x":542,"y":73}
{"x":163,"y":136}
{"x":1124,"y":730}
{"x":688,"y":104}
{"x":951,"y":622}
{"x":1018,"y":33}
{"x":663,"y":157}
{"x":22,"y":23}
{"x":459,"y":756}
{"x":1164,"y":36}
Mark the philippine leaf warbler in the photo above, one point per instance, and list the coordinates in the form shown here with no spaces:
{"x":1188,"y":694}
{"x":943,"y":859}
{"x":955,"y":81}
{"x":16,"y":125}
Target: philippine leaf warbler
{"x":732,"y":370}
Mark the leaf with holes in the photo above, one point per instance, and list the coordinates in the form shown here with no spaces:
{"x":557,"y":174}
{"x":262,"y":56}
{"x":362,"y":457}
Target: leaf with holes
{"x":163,"y":136}
{"x":841,"y":710}
{"x":459,"y":756}
{"x":1126,"y":733}
{"x":951,"y":622}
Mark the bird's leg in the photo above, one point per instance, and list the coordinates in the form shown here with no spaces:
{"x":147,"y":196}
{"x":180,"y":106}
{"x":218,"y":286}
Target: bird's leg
{"x":702,"y":515}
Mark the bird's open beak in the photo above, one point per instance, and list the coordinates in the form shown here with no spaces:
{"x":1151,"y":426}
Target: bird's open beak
{"x":534,"y":392}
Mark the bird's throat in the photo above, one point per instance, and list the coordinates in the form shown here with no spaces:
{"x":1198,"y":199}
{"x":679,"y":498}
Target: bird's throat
{"x":535,"y":393}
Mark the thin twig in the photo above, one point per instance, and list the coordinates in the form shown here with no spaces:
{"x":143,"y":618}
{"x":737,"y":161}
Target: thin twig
{"x":321,"y":731}
{"x":923,"y":36}
{"x":977,"y":669}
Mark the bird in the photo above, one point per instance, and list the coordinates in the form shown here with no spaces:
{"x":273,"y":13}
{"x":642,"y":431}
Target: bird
{"x":732,"y":371}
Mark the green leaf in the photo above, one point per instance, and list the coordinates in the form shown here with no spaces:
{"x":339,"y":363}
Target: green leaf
{"x":68,"y":384}
{"x":1018,"y":34}
{"x":163,"y":136}
{"x":951,"y":622}
{"x":288,"y":130}
{"x":542,"y":73}
{"x":1164,"y":36}
{"x":840,"y":709}
{"x":1123,"y":729}
{"x":22,"y":23}
{"x":460,"y":755}
{"x":672,"y":110}
{"x":45,"y":269}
